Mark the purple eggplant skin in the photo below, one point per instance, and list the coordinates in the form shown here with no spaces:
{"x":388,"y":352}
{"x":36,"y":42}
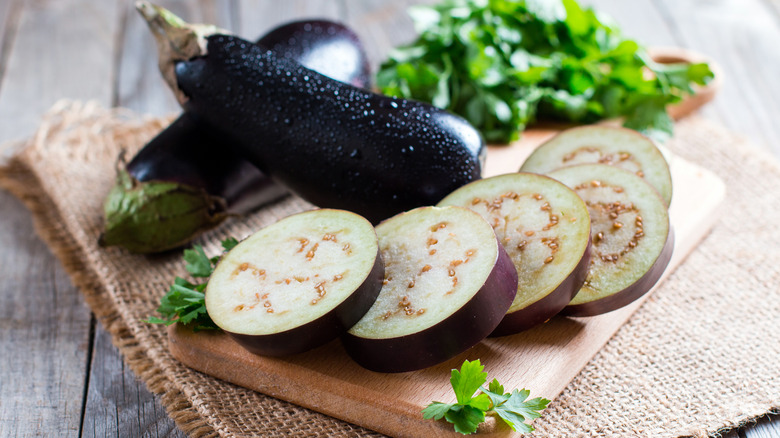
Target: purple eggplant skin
{"x":210,"y":179}
{"x":632,"y":292}
{"x":460,"y":331}
{"x":184,"y":153}
{"x":335,"y":145}
{"x":323,"y":329}
{"x":544,"y":309}
{"x":313,"y":43}
{"x":177,"y":187}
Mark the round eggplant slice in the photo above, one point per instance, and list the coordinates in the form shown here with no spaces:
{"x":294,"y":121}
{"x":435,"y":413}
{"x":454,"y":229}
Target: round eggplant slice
{"x":545,"y":228}
{"x":298,"y":283}
{"x":620,"y":147}
{"x":448,"y":283}
{"x":632,"y":238}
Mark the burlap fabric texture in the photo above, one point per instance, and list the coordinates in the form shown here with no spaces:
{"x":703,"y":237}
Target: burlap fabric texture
{"x":701,"y":355}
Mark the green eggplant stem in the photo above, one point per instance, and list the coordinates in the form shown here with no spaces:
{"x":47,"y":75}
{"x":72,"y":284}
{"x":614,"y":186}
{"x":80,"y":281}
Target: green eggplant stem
{"x":154,"y":216}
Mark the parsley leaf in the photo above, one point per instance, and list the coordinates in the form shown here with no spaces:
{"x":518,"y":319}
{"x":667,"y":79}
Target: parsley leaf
{"x":465,"y":418}
{"x":468,"y":380}
{"x":185,"y":302}
{"x":229,"y":243}
{"x":503,"y":64}
{"x":496,"y":393}
{"x":198,"y":264}
{"x":514,"y":410}
{"x":436,"y":410}
{"x":469,"y":411}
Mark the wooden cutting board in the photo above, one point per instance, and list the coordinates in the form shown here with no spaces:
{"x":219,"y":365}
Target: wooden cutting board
{"x":544,"y":359}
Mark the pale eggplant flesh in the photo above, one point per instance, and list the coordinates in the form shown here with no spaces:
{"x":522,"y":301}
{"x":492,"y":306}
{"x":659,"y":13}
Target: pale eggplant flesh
{"x":632,"y":237}
{"x":545,"y":228}
{"x":320,"y":331}
{"x":615,"y":146}
{"x":297,"y":284}
{"x":448,"y":283}
{"x":631,"y":293}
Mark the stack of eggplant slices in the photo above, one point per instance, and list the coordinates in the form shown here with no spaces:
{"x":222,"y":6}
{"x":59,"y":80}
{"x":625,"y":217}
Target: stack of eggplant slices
{"x":411,"y":258}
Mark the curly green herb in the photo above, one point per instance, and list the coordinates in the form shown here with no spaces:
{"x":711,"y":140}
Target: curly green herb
{"x":185,"y":302}
{"x":503,"y":64}
{"x":469,"y":410}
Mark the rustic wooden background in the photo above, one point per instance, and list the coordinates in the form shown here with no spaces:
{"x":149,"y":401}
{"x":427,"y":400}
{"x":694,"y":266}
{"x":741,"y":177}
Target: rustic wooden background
{"x":59,"y":373}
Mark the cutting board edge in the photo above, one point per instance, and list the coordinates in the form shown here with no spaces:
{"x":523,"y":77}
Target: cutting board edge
{"x":350,"y":403}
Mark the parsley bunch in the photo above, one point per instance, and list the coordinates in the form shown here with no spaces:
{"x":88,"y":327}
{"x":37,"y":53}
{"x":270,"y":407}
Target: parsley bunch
{"x":469,"y":411}
{"x":502,"y":64}
{"x":185,"y":302}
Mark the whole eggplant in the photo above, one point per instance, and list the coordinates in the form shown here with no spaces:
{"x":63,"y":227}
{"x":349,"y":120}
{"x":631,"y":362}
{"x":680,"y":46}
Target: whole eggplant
{"x":189,"y":178}
{"x":333,"y":144}
{"x":329,"y":48}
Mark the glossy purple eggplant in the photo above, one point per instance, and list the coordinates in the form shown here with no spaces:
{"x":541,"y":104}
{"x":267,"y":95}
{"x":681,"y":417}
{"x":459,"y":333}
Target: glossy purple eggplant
{"x":335,"y":145}
{"x":323,"y":46}
{"x":189,"y":178}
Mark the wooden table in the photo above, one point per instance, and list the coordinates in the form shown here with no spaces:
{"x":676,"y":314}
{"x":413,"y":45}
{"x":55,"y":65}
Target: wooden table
{"x":59,"y":373}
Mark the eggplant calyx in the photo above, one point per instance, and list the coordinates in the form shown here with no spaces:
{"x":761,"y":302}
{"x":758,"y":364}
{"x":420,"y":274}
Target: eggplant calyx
{"x":176,"y":39}
{"x":154,"y":216}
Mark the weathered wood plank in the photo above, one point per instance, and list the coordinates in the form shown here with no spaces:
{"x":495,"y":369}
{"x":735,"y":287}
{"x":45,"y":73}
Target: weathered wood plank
{"x":639,"y":19}
{"x":775,"y":5}
{"x":765,"y":427}
{"x":255,"y":18}
{"x":44,"y":324}
{"x":139,"y":84}
{"x":381,"y":25}
{"x":44,"y":334}
{"x":118,"y":404}
{"x":9,"y":17}
{"x":742,"y":37}
{"x":62,"y":49}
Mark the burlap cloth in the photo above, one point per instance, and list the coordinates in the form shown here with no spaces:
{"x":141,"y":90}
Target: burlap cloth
{"x":701,"y":355}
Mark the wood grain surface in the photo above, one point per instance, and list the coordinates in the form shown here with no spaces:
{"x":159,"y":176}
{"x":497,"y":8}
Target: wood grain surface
{"x":59,"y":375}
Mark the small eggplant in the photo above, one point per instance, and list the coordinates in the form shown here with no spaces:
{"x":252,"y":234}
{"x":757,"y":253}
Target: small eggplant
{"x":331,"y":143}
{"x":189,"y":178}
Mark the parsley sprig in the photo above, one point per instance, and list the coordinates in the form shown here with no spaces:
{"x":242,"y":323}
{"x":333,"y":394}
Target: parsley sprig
{"x":185,"y":302}
{"x":503,"y":64}
{"x":470,"y":410}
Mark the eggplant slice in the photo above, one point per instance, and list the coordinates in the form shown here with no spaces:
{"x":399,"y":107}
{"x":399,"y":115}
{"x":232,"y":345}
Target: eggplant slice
{"x":298,"y":283}
{"x":545,"y":228}
{"x":632,"y":237}
{"x":620,"y":147}
{"x":448,"y":283}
